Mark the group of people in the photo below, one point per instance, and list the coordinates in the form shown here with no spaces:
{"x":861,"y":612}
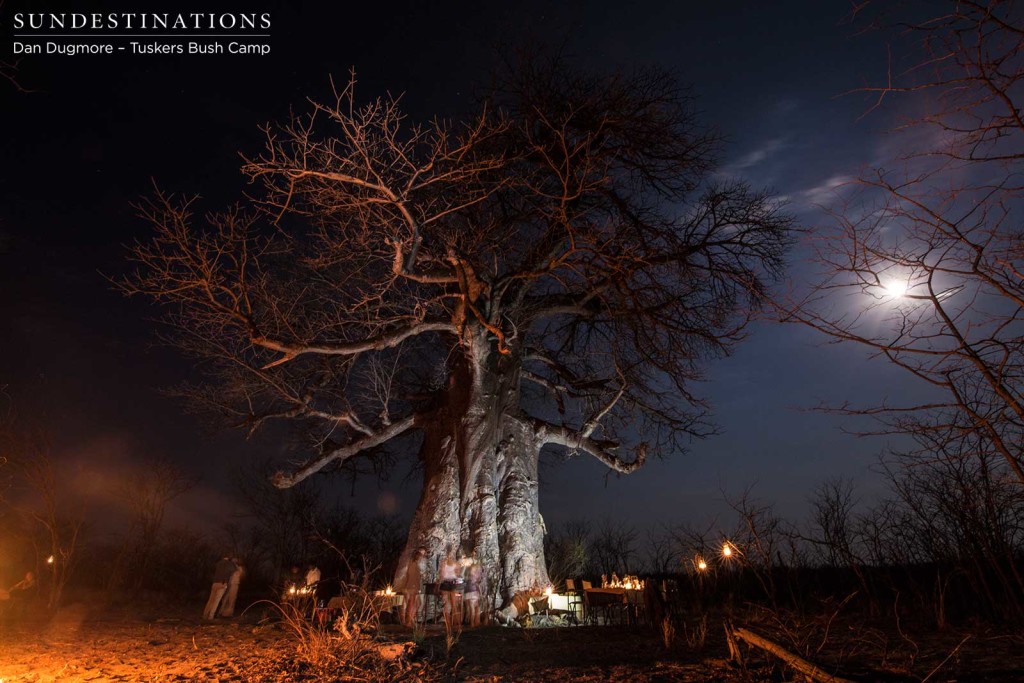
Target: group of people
{"x":459,"y":582}
{"x":227,"y":576}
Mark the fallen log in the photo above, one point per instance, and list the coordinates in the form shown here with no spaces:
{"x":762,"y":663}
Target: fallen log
{"x":808,"y":669}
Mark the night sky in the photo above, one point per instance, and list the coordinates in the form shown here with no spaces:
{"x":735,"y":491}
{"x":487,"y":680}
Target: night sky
{"x":96,"y":132}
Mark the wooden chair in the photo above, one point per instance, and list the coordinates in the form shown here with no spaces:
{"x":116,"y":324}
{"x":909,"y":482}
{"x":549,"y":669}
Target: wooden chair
{"x":575,"y":601}
{"x":587,"y":616}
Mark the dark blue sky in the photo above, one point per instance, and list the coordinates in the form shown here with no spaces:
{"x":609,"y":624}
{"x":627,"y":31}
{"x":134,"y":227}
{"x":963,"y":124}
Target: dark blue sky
{"x":88,"y":141}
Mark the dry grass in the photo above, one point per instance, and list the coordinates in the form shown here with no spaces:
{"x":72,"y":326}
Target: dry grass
{"x":668,"y":632}
{"x":697,"y":635}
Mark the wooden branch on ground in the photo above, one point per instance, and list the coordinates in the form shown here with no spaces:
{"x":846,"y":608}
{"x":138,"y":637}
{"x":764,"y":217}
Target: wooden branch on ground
{"x":808,"y":669}
{"x":735,"y":654}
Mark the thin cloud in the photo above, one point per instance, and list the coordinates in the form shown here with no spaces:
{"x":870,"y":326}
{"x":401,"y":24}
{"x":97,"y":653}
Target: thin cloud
{"x":756,"y":156}
{"x":824,"y":192}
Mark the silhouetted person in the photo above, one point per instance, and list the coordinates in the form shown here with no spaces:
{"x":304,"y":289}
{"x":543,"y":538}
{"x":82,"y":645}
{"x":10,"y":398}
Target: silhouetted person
{"x":221,"y":577}
{"x":227,"y":607}
{"x":413,"y":586}
{"x":312,"y":576}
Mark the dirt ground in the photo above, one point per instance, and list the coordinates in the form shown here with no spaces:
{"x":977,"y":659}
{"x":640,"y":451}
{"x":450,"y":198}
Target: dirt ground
{"x":80,"y":645}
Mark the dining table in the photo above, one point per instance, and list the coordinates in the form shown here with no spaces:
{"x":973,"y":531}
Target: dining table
{"x":612,"y":598}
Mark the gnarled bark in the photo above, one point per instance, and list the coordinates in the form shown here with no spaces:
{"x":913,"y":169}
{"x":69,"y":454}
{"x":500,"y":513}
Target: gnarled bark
{"x":480,"y":490}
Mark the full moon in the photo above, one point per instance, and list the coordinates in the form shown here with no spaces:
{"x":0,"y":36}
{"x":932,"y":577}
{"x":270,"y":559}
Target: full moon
{"x":895,"y":289}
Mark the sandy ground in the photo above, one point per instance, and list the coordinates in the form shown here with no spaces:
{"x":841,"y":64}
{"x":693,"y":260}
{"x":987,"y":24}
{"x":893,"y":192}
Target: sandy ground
{"x":78,"y":645}
{"x":75,"y":647}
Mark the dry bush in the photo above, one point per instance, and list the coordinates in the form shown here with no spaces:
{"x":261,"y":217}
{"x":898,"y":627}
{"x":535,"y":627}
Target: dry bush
{"x":697,"y":636}
{"x":348,"y":646}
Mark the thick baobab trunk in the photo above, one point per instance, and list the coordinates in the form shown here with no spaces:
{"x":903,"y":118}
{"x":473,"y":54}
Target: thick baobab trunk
{"x":435,"y":525}
{"x":480,"y":479}
{"x":520,"y":527}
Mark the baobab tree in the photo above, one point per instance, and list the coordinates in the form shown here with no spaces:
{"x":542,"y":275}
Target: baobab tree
{"x":926,"y":265}
{"x":551,"y":272}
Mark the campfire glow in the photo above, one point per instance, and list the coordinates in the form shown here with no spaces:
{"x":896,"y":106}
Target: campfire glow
{"x":631,"y":583}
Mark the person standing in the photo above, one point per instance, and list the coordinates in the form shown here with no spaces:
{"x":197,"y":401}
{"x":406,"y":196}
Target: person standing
{"x":413,"y":586}
{"x":450,"y":577}
{"x":221,"y":576}
{"x":312,"y":576}
{"x":227,"y":607}
{"x":474,"y":578}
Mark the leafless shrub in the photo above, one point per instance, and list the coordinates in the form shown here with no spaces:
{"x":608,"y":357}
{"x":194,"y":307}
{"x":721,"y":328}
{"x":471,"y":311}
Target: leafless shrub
{"x":146,"y":493}
{"x":9,"y":71}
{"x":346,"y":645}
{"x":613,"y":548}
{"x":52,"y":516}
{"x":567,"y":551}
{"x":760,"y":539}
{"x":697,"y":634}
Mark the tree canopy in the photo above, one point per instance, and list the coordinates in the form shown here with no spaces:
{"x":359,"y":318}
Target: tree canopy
{"x":563,"y":262}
